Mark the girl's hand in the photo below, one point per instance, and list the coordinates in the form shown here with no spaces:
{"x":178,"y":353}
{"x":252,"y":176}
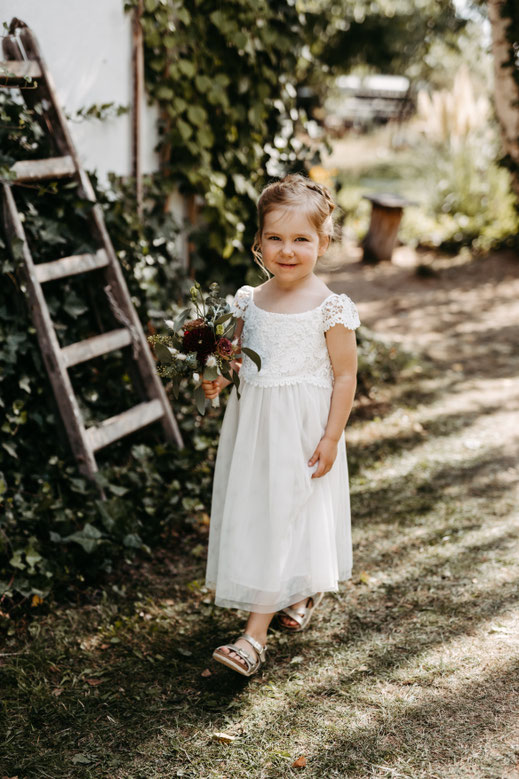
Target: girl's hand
{"x":213,"y":388}
{"x":325,"y":453}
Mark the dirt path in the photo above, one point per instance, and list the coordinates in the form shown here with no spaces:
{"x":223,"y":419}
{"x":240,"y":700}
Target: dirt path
{"x":465,"y":318}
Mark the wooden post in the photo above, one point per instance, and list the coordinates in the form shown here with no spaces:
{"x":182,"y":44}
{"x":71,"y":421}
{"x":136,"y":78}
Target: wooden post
{"x":138,"y":91}
{"x":386,"y":216}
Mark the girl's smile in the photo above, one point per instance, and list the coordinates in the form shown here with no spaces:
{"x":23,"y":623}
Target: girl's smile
{"x":290,"y":244}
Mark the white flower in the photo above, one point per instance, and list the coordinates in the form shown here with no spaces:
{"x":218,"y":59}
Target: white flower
{"x":181,"y":356}
{"x":211,"y":361}
{"x":169,"y":323}
{"x":172,"y":350}
{"x":196,"y":377}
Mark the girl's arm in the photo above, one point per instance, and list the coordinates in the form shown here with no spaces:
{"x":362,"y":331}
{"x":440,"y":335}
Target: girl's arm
{"x":213,"y":388}
{"x":342,"y":348}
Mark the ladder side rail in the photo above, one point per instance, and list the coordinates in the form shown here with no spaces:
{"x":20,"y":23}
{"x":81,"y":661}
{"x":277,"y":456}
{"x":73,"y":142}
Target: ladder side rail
{"x":49,"y":344}
{"x":144,"y":357}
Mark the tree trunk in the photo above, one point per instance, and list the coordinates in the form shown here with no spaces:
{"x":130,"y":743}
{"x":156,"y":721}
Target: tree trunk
{"x":506,"y":88}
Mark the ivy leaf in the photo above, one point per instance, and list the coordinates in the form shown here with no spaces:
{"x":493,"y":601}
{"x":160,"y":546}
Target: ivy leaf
{"x":196,"y":115}
{"x":24,"y":384}
{"x":185,"y":129}
{"x":9,"y":448}
{"x":187,"y":68}
{"x":203,"y":83}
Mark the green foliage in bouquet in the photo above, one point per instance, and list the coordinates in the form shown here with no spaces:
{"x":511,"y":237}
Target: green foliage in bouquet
{"x":202,"y":347}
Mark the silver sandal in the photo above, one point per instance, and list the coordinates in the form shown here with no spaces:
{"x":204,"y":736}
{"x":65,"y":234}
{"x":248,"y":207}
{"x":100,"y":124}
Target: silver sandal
{"x":303,"y":616}
{"x":253,"y":664}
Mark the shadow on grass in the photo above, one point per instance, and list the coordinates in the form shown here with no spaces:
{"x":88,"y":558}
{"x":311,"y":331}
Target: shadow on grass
{"x":433,"y":734}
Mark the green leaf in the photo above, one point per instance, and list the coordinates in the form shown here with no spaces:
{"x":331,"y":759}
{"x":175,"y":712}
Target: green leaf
{"x":24,"y":384}
{"x":210,"y":373}
{"x":187,"y":68}
{"x":163,"y":353}
{"x":236,"y":381}
{"x":252,"y":355}
{"x":197,"y":115}
{"x":224,"y":318}
{"x":200,"y":400}
{"x":185,"y":129}
{"x":180,"y":319}
{"x":9,"y":448}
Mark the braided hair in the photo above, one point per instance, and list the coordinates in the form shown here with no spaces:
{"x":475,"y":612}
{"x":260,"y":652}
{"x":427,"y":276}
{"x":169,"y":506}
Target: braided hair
{"x":296,"y":190}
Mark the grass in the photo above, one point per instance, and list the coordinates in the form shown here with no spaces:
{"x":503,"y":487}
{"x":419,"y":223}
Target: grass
{"x":411,"y":670}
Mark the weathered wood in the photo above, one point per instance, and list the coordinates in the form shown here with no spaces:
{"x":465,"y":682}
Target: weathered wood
{"x":386,"y":215}
{"x":157,"y":405}
{"x":70,"y":266}
{"x":49,"y":344}
{"x":14,"y":73}
{"x":39,"y":170}
{"x":145,"y":362}
{"x":81,"y":351}
{"x":123,"y":424}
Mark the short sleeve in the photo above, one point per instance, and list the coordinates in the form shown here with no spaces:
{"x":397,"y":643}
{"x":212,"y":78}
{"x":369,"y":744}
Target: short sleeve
{"x":241,"y":301}
{"x":340,"y":310}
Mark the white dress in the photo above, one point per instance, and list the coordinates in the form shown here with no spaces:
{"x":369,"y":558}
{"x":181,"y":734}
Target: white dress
{"x":277,"y":535}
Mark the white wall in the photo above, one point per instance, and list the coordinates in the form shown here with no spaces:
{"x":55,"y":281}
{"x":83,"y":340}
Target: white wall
{"x":87,"y":47}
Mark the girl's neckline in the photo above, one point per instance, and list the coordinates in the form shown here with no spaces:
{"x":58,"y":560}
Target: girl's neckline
{"x":282,"y":313}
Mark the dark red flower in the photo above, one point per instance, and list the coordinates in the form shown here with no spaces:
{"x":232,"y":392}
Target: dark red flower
{"x":199,"y":338}
{"x":193,"y":323}
{"x":225,"y":348}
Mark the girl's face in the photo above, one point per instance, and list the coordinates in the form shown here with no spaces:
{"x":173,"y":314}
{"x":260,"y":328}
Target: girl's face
{"x":290,"y":244}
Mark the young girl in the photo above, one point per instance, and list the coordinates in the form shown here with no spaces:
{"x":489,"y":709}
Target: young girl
{"x":280,"y":520}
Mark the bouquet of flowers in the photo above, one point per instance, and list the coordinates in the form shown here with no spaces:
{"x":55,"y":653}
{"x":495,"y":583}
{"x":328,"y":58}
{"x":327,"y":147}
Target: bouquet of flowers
{"x":201,"y":344}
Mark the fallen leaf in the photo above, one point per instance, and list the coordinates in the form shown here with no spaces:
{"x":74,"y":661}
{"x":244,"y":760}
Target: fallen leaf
{"x":36,"y":600}
{"x":364,"y":577}
{"x":104,"y":646}
{"x":297,"y":659}
{"x":225,"y":738}
{"x":206,"y":672}
{"x":80,"y":758}
{"x":93,"y":682}
{"x":57,"y":692}
{"x":185,"y":652}
{"x":300,"y":762}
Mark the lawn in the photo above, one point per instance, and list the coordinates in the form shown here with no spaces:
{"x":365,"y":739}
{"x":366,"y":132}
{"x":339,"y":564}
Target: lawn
{"x":411,"y":670}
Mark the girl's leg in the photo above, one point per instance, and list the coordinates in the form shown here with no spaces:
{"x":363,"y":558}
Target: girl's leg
{"x":257,"y":626}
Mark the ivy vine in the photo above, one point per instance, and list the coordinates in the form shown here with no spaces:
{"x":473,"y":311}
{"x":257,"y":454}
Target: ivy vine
{"x":224,"y":78}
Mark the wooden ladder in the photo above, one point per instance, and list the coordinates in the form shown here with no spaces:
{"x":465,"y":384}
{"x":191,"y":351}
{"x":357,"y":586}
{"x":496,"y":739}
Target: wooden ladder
{"x":23,"y":58}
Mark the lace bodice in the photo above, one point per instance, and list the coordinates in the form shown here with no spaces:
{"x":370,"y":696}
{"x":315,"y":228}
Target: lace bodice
{"x":292,"y":347}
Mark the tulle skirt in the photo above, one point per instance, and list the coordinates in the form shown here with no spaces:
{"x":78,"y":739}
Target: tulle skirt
{"x":276,"y":535}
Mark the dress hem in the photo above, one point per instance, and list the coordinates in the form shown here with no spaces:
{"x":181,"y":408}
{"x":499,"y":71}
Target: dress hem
{"x":232,"y":603}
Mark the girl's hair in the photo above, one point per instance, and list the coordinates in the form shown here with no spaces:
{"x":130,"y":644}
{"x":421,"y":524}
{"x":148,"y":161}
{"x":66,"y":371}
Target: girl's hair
{"x":295,"y":190}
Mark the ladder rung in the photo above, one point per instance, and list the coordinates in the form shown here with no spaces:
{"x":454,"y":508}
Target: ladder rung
{"x":123,"y":424}
{"x":38,"y":170}
{"x":96,"y":346}
{"x":13,"y":72}
{"x":70,"y":266}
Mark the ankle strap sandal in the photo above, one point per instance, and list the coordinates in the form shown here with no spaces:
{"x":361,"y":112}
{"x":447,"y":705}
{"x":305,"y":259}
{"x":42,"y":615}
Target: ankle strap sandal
{"x":302,"y":616}
{"x":252,"y":664}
